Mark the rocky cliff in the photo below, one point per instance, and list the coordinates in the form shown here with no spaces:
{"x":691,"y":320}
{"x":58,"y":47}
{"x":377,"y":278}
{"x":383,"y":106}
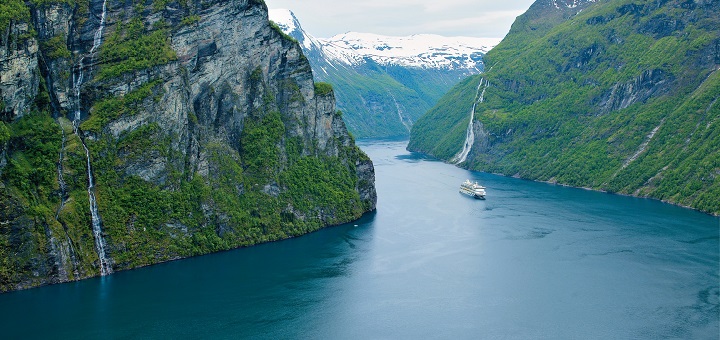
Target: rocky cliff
{"x":135,"y":132}
{"x":616,"y":95}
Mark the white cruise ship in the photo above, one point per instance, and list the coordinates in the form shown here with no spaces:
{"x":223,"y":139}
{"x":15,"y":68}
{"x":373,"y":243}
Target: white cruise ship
{"x":473,"y":189}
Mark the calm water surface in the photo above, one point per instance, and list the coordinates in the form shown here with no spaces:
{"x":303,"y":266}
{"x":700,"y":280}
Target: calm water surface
{"x":532,"y":261}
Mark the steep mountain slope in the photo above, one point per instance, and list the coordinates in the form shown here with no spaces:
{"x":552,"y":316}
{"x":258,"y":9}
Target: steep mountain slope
{"x":139,"y":132}
{"x":383,"y":84}
{"x":617,"y":95}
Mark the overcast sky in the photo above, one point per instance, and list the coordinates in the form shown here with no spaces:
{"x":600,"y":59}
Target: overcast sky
{"x":472,"y":18}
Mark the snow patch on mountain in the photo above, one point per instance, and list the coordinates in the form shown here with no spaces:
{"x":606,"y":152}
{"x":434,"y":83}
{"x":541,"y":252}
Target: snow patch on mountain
{"x":421,"y":50}
{"x":290,"y":25}
{"x":569,"y":3}
{"x":426,"y":51}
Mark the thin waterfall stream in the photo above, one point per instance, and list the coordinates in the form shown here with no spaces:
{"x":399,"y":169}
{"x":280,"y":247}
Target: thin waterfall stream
{"x":470,"y":134}
{"x":78,"y":79}
{"x":406,"y":122}
{"x":534,"y":260}
{"x":61,"y":179}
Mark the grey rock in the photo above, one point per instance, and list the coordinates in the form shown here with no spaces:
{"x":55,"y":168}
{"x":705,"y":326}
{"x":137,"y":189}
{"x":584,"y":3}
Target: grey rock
{"x":19,"y":79}
{"x":230,"y":65}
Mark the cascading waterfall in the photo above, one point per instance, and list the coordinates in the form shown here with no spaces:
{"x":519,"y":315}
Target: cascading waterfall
{"x":69,"y":252}
{"x":95,"y":218}
{"x":97,"y":40}
{"x":61,"y":179}
{"x":470,"y":134}
{"x":406,"y":122}
{"x":78,"y":79}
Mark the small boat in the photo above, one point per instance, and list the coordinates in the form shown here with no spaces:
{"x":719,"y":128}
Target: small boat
{"x":473,"y":189}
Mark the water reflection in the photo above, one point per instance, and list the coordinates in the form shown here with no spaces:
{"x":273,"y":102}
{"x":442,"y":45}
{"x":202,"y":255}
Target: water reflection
{"x":532,"y":261}
{"x":415,"y":157}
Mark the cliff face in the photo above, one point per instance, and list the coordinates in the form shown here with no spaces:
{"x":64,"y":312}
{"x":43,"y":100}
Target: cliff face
{"x":201,"y":126}
{"x":18,"y":70}
{"x":620,"y":96}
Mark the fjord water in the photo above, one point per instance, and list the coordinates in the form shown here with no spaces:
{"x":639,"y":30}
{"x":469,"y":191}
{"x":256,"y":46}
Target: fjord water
{"x":532,"y":261}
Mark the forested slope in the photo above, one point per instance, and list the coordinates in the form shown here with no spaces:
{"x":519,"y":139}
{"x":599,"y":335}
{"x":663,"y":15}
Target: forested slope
{"x":614,"y":95}
{"x":136,"y":132}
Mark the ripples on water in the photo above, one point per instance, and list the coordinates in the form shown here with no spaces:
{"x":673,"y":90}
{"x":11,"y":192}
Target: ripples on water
{"x":532,"y":261}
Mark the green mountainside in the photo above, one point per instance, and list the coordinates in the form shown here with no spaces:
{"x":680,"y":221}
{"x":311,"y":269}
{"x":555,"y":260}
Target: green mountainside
{"x":616,"y":95}
{"x":190,"y":127}
{"x":384,"y":101}
{"x":382,"y":95}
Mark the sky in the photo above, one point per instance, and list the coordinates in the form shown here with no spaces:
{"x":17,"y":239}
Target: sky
{"x":471,"y":18}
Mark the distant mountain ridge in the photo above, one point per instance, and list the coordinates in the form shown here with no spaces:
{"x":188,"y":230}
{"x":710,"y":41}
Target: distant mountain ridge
{"x":614,"y":95}
{"x":383,"y":83}
{"x":419,"y":50}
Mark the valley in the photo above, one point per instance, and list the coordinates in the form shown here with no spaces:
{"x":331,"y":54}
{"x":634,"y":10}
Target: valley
{"x":209,"y":169}
{"x":383,"y":84}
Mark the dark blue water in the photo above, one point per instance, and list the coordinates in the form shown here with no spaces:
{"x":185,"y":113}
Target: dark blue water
{"x":531,"y":261}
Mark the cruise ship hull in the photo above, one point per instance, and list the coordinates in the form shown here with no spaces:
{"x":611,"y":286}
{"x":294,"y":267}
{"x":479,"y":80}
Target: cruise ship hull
{"x":473,"y":190}
{"x":472,"y":194}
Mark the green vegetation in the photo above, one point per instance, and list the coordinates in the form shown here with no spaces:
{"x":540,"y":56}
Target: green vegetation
{"x":29,"y":177}
{"x":133,"y":48}
{"x":371,"y":95}
{"x":161,"y":194}
{"x":46,"y":2}
{"x":12,"y":10}
{"x":576,"y":101}
{"x":190,"y":20}
{"x":322,"y":182}
{"x":34,"y":141}
{"x":108,"y":109}
{"x":82,"y":11}
{"x":277,"y":29}
{"x":452,"y":113}
{"x":4,"y":133}
{"x":159,"y":5}
{"x":29,"y":200}
{"x":56,"y":47}
{"x":260,"y":144}
{"x":323,"y":89}
{"x":231,"y":206}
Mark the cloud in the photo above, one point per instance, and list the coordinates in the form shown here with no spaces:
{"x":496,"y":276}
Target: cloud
{"x":482,"y":24}
{"x":475,"y":18}
{"x":452,"y":5}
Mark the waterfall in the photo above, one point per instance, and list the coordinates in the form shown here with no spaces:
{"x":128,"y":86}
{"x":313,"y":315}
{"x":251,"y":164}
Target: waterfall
{"x":95,"y":218}
{"x":78,"y":79}
{"x":61,"y":179}
{"x":66,"y":253}
{"x":406,"y":122}
{"x":470,"y":134}
{"x":97,"y":41}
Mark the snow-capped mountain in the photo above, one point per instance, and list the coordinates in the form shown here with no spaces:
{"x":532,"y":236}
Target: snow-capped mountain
{"x":384,"y":83}
{"x":289,"y":24}
{"x":420,"y":50}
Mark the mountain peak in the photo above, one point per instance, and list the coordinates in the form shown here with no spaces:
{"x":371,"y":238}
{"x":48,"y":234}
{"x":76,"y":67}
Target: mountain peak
{"x":568,"y":3}
{"x":418,"y":50}
{"x":427,"y":51}
{"x":285,"y":19}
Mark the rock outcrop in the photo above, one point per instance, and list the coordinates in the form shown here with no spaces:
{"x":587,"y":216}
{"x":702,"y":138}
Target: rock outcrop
{"x":204,"y":131}
{"x":19,"y":77}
